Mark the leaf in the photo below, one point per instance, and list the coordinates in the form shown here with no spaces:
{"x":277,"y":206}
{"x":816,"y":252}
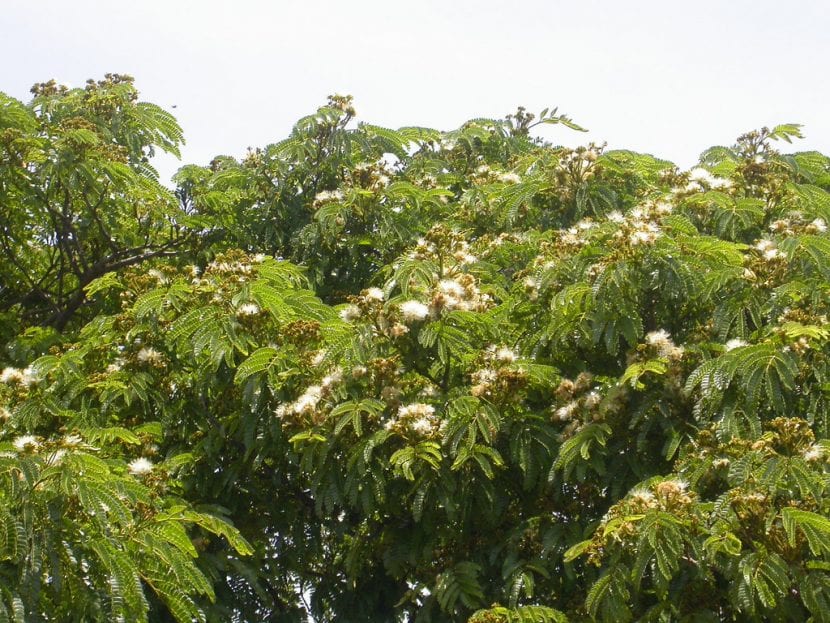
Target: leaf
{"x":260,"y":360}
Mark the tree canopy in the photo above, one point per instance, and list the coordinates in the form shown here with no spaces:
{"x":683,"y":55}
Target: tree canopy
{"x":366,"y":374}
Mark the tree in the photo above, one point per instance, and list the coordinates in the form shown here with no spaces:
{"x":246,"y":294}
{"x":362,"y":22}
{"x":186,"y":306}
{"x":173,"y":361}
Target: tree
{"x":558,"y":385}
{"x":79,"y":197}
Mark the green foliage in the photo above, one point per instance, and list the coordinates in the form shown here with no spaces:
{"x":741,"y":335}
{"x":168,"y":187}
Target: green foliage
{"x":409,"y":375}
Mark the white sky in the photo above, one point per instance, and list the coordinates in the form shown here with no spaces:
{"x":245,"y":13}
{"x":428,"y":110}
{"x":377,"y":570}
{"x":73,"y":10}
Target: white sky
{"x":670,"y":78}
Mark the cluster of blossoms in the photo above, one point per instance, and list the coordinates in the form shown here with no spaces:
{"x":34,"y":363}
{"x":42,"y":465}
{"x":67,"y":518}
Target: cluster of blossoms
{"x":372,"y":176}
{"x":150,"y":356}
{"x":640,"y":227}
{"x":575,"y":236}
{"x":228,"y":267}
{"x":327,"y":196}
{"x":577,"y":165}
{"x":232,"y":263}
{"x":140,"y":466}
{"x":814,"y":453}
{"x":116,"y":366}
{"x":484,"y":174}
{"x":579,"y":396}
{"x":248,"y":310}
{"x":733,"y":344}
{"x":159,"y":276}
{"x":795,"y":225}
{"x":668,"y":495}
{"x":701,"y":179}
{"x":26,"y":443}
{"x":498,"y":379}
{"x":306,"y":404}
{"x":768,"y":250}
{"x":15,"y":376}
{"x":460,"y":292}
{"x":663,"y":345}
{"x":459,"y":251}
{"x":370,"y":300}
{"x":418,"y":418}
{"x":413,"y":311}
{"x":508,"y":178}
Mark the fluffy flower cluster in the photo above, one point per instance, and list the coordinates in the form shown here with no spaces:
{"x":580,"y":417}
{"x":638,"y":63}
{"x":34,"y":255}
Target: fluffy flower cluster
{"x":767,"y":249}
{"x":140,"y":466}
{"x":25,"y":443}
{"x":247,"y":309}
{"x":150,"y":356}
{"x":671,"y":494}
{"x":15,"y":376}
{"x":818,"y":225}
{"x":224,"y":266}
{"x":308,"y":401}
{"x":501,"y":354}
{"x":461,"y":293}
{"x":158,"y":276}
{"x":326,"y":196}
{"x":662,"y":343}
{"x":733,"y":344}
{"x":700,"y":178}
{"x":413,"y":311}
{"x":566,"y":412}
{"x":639,"y":227}
{"x":508,"y":178}
{"x":814,"y":453}
{"x":350,"y":313}
{"x":582,"y":398}
{"x":417,"y":417}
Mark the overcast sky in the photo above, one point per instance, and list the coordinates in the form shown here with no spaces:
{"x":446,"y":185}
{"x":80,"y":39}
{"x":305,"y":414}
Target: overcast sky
{"x":670,"y":78}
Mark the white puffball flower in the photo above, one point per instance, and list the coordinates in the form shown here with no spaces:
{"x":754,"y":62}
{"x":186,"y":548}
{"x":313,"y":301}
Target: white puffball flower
{"x":764,"y":245}
{"x":328,"y":195}
{"x":332,"y":379}
{"x":374,"y":294}
{"x":318,"y":358}
{"x":659,"y":339}
{"x":349,"y":313}
{"x":451,"y":287}
{"x":140,"y":466}
{"x":10,"y":375}
{"x":416,"y":409}
{"x":25,"y":377}
{"x":157,"y":275}
{"x":509,"y":178}
{"x":699,"y":174}
{"x":814,"y":453}
{"x":592,"y":400}
{"x":56,"y":457}
{"x":25,"y":442}
{"x":72,"y":440}
{"x":565,"y":413}
{"x":149,"y":355}
{"x":248,"y":309}
{"x":414,"y":311}
{"x":421,"y":426}
{"x":308,"y":401}
{"x":733,"y":344}
{"x":506,"y":355}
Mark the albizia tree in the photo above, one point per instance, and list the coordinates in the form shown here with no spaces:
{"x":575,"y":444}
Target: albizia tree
{"x":439,"y":376}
